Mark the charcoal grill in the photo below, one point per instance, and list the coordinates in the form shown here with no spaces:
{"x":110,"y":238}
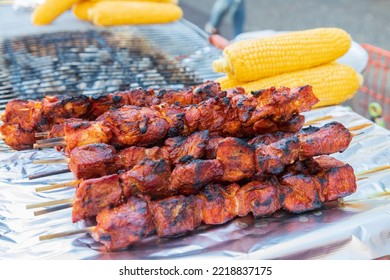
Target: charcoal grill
{"x":99,"y":60}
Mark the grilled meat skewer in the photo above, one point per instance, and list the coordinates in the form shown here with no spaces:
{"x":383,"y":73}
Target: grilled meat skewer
{"x":238,"y":115}
{"x":23,"y":119}
{"x":139,"y":217}
{"x":271,"y":151}
{"x":235,"y":160}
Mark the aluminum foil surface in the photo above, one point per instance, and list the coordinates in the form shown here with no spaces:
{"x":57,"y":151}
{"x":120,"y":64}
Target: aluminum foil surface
{"x":357,"y":229}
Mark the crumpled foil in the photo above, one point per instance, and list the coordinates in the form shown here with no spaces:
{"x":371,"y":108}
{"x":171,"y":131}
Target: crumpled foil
{"x":359,"y":228}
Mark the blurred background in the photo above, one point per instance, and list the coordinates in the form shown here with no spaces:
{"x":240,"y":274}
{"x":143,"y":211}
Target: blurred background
{"x":366,"y":20}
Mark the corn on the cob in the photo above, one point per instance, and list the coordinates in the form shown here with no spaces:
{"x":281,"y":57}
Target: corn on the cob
{"x":47,"y":12}
{"x":250,"y":60}
{"x":118,"y":13}
{"x":81,"y":9}
{"x":332,"y":83}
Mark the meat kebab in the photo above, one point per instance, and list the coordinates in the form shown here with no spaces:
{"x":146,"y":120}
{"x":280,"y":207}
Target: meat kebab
{"x":137,"y":217}
{"x":23,"y":120}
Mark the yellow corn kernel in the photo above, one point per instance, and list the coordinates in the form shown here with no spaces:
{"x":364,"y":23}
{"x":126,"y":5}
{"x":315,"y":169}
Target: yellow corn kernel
{"x":119,"y":13}
{"x":47,"y":12}
{"x":253,"y":59}
{"x":332,"y":83}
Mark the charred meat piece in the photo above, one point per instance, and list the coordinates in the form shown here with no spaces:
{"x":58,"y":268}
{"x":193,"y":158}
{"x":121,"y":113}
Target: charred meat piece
{"x":134,"y":155}
{"x":176,"y":215}
{"x":237,"y":159}
{"x":292,"y":125}
{"x":94,"y":160}
{"x":191,"y":147}
{"x":148,"y":177}
{"x":119,"y":227}
{"x":190,"y":178}
{"x":337,"y":179}
{"x":218,"y":116}
{"x":16,"y":137}
{"x":26,"y":114}
{"x":139,"y":126}
{"x":84,"y":132}
{"x":330,"y":138}
{"x":219,"y":203}
{"x":93,"y":195}
{"x":188,"y":96}
{"x":261,"y":198}
{"x":99,"y":104}
{"x":212,"y":145}
{"x":299,"y":193}
{"x":60,"y":107}
{"x":58,"y":130}
{"x":141,"y":97}
{"x":273,"y":157}
{"x":269,"y":138}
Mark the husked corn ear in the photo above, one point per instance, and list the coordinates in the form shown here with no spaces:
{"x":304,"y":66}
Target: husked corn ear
{"x":120,"y":12}
{"x":332,"y":83}
{"x":252,"y":59}
{"x":49,"y":10}
{"x":81,"y":9}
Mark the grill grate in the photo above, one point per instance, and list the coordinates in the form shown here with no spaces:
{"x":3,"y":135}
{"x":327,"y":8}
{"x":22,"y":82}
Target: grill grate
{"x":104,"y":60}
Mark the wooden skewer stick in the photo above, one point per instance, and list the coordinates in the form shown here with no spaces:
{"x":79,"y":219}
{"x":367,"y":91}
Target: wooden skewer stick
{"x":41,"y":134}
{"x":50,"y":140}
{"x":46,"y":174}
{"x":58,"y":186}
{"x":374,"y":170}
{"x":317,"y":120}
{"x":359,"y":127}
{"x":51,"y":161}
{"x":49,"y":145}
{"x":357,"y":134}
{"x":66,"y":233}
{"x":53,"y":209}
{"x":49,"y":203}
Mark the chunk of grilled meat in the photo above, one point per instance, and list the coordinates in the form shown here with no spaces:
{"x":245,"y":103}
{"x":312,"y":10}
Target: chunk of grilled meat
{"x":95,"y":194}
{"x":60,"y":107}
{"x":217,"y":204}
{"x":324,"y":179}
{"x":16,"y":137}
{"x":126,"y":224}
{"x":261,"y":198}
{"x":148,"y":177}
{"x":88,"y":160}
{"x":237,"y":158}
{"x":330,"y":137}
{"x":24,"y":113}
{"x":191,"y":177}
{"x":176,"y":215}
{"x":83,"y":132}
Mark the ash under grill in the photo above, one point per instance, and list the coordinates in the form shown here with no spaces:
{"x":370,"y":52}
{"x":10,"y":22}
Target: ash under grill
{"x":104,"y":60}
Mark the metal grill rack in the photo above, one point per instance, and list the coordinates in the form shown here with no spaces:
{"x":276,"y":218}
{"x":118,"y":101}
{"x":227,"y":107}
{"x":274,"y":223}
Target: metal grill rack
{"x":104,"y":60}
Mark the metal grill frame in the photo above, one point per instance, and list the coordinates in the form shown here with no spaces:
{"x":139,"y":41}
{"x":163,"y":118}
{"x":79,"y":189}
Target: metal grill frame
{"x":181,"y":44}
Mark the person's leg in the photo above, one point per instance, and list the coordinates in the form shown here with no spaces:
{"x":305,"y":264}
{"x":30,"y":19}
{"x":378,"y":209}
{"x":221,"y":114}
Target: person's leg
{"x":238,"y":17}
{"x":218,"y":12}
